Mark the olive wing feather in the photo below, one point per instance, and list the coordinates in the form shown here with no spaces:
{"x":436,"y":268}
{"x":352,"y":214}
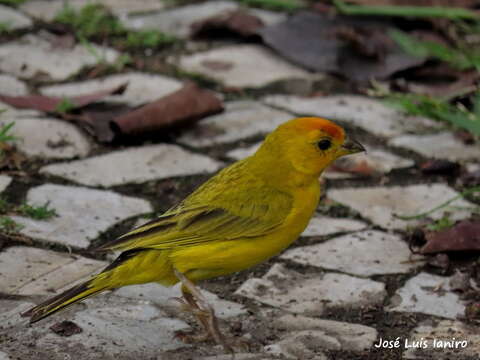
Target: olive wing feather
{"x":224,"y":217}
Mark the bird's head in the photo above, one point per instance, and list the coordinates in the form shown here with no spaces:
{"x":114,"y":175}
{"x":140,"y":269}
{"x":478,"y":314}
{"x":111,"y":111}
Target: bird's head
{"x":310,"y":144}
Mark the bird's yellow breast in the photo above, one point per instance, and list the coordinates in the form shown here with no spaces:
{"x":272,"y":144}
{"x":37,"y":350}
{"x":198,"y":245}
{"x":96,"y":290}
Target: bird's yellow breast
{"x":225,"y":257}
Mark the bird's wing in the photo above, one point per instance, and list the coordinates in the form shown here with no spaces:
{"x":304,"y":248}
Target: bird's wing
{"x":228,"y":216}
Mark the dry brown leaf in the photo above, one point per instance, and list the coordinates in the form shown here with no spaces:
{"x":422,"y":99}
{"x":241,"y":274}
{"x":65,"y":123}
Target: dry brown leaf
{"x":185,"y":106}
{"x":464,"y":236}
{"x":339,"y":44}
{"x":237,"y":22}
{"x":66,"y":328}
{"x":51,"y":103}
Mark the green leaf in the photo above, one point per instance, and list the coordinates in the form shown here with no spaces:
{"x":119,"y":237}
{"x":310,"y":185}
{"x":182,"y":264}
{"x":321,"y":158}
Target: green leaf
{"x":281,"y":5}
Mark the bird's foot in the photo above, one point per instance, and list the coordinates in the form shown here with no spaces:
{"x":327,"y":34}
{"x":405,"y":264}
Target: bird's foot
{"x":190,"y":337}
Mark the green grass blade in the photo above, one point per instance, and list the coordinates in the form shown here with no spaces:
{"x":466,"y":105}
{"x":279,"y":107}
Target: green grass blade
{"x":406,"y":11}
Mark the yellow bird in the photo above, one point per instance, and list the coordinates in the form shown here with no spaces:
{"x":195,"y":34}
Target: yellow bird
{"x":247,"y":213}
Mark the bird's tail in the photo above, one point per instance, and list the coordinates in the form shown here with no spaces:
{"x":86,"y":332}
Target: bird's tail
{"x":136,"y":266}
{"x":63,"y":300}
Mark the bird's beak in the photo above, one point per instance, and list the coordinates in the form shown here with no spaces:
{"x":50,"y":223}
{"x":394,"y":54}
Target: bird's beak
{"x":351,"y":146}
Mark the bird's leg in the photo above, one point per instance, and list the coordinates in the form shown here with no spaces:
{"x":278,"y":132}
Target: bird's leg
{"x":203,"y":311}
{"x":189,"y":304}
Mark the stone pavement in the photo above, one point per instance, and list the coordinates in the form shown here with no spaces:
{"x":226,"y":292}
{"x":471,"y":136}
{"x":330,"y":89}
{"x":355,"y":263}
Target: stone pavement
{"x":350,"y":280}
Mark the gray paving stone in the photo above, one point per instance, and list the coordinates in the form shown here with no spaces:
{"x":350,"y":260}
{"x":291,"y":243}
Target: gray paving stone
{"x":376,"y":161}
{"x":428,"y":294}
{"x":47,"y":10}
{"x":241,"y":119}
{"x":82,"y":213}
{"x":4,"y":356}
{"x":441,"y":332}
{"x":311,"y":295}
{"x":322,"y":225}
{"x":134,"y":165}
{"x":268,"y":17}
{"x":382,"y":204}
{"x":242,"y":153}
{"x":249,"y":66}
{"x":177,"y":21}
{"x":10,"y":85}
{"x":13,"y":19}
{"x":162,"y":296}
{"x":4,"y":182}
{"x":242,"y":356}
{"x":305,"y":344}
{"x":48,"y":138}
{"x":333,"y":335}
{"x":142,"y":88}
{"x":112,"y":328}
{"x":31,"y":271}
{"x":36,"y":56}
{"x":363,"y":253}
{"x":369,"y":114}
{"x":439,"y":146}
{"x":10,"y":114}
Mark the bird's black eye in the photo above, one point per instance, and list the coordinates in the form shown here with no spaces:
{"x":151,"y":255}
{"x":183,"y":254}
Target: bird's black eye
{"x":324,"y":144}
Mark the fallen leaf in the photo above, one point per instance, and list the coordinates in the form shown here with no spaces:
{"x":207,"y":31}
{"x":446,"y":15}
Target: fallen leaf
{"x":185,"y":106}
{"x":440,"y":81}
{"x":237,"y":22}
{"x":464,"y":236}
{"x":52,"y":103}
{"x":66,"y":328}
{"x":440,"y":166}
{"x":366,"y":42}
{"x":323,"y":43}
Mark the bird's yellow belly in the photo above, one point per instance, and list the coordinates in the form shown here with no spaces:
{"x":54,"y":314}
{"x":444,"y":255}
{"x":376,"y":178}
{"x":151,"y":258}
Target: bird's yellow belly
{"x":225,"y":257}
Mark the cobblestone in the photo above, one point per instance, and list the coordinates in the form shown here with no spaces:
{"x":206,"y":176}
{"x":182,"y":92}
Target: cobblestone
{"x":178,"y":21}
{"x":67,"y":228}
{"x":323,"y":225}
{"x":382,"y":204}
{"x":142,"y":88}
{"x":292,"y":291}
{"x":49,"y":138}
{"x":241,"y":66}
{"x":4,"y":182}
{"x":368,"y":114}
{"x":335,"y":334}
{"x":239,"y":121}
{"x":162,"y":296}
{"x":27,"y":271}
{"x":428,"y":294}
{"x":47,"y":10}
{"x":10,"y":85}
{"x":439,"y":146}
{"x":13,"y":19}
{"x":36,"y":56}
{"x":363,"y":253}
{"x":444,"y":339}
{"x":134,"y":165}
